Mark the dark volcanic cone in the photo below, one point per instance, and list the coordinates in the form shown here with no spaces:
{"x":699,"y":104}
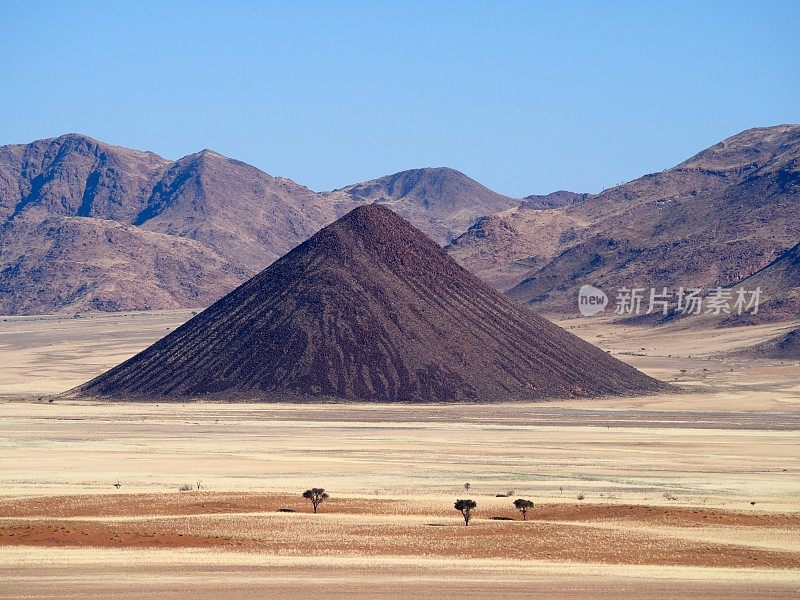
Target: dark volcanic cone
{"x":370,"y":309}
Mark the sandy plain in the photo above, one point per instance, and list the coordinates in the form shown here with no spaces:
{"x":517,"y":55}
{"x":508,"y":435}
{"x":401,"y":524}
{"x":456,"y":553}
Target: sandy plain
{"x":695,"y":492}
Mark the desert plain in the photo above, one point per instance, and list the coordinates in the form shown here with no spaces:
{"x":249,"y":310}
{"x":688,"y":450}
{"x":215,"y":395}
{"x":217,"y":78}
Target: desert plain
{"x":694,"y":492}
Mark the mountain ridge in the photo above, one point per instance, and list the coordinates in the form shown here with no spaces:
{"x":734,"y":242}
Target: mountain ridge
{"x":243,"y":217}
{"x":714,"y":219}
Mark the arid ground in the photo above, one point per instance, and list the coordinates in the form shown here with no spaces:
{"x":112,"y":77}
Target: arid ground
{"x":691,"y":493}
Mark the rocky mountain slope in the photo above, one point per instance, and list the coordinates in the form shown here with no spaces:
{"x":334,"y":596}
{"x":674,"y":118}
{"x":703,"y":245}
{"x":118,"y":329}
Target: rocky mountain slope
{"x":783,"y":347}
{"x":369,"y":308}
{"x":714,"y":219}
{"x":96,"y":264}
{"x":780,"y":282}
{"x":74,"y":175}
{"x":553,"y":200}
{"x":442,"y":202}
{"x":505,"y":248}
{"x":243,"y":214}
{"x":86,"y":225}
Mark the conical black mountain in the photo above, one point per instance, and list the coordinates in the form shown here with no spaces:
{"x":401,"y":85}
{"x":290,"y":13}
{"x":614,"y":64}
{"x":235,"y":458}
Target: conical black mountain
{"x":369,"y":308}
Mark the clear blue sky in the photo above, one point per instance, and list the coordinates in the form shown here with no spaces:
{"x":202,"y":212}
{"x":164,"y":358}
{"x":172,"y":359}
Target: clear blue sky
{"x":525,"y":97}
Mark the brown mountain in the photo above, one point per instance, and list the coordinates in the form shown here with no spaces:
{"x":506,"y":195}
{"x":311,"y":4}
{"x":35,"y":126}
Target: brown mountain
{"x":442,"y":202}
{"x":86,"y":225}
{"x":780,"y":282}
{"x":74,"y":175}
{"x":784,"y":347}
{"x":241,"y":213}
{"x":368,"y":308}
{"x":553,"y":200}
{"x":715,"y":219}
{"x":97,"y":264}
{"x":505,"y":248}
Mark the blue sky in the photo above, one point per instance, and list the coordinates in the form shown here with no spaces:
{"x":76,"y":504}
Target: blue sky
{"x":525,"y":97}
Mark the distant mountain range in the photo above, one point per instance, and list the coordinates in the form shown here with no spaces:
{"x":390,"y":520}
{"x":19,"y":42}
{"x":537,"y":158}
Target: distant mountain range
{"x":715,"y":219}
{"x":89,"y":226}
{"x":85,"y":225}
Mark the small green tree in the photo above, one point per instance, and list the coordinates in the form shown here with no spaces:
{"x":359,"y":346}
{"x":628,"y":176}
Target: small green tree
{"x":317,"y":497}
{"x":523,"y":505}
{"x":466,"y":507}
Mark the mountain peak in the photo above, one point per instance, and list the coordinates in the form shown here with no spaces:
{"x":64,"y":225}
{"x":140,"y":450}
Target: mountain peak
{"x":373,"y":217}
{"x":752,"y":148}
{"x":404,"y":183}
{"x":447,"y":199}
{"x":202,"y":155}
{"x":376,"y":231}
{"x":75,"y":137}
{"x":208,"y":153}
{"x":76,"y":141}
{"x":423,"y":172}
{"x":368,"y":309}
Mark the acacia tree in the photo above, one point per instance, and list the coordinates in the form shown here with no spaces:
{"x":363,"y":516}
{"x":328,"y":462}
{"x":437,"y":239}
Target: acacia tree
{"x":523,"y":506}
{"x":317,"y":497}
{"x":466,"y":507}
